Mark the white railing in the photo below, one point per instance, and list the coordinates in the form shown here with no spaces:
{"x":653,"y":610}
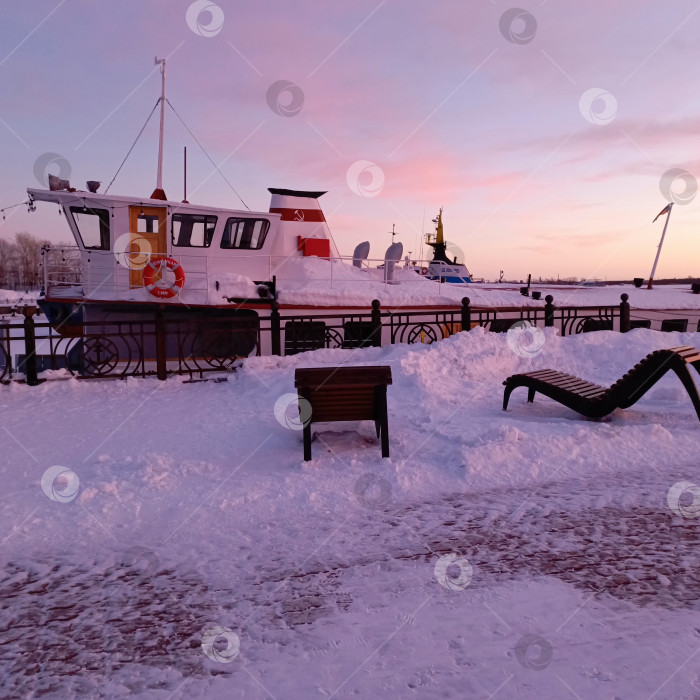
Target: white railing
{"x":105,"y":275}
{"x":102,"y":274}
{"x":61,"y":266}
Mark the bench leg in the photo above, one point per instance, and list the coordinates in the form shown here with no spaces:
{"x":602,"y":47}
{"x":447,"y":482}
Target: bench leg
{"x":687,"y":379}
{"x":382,"y":418}
{"x":530,"y":395}
{"x":307,"y":442}
{"x":506,"y":396}
{"x":385,"y":438}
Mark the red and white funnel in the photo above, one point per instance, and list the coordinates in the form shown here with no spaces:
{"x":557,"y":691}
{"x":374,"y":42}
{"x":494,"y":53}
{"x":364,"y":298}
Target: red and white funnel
{"x":302,"y":220}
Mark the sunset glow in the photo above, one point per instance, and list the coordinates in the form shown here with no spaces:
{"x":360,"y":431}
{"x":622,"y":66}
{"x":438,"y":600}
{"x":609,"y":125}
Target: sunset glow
{"x":493,"y":116}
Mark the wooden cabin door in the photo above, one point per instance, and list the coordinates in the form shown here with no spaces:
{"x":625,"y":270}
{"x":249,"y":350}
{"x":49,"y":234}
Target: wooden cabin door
{"x":148,"y":230}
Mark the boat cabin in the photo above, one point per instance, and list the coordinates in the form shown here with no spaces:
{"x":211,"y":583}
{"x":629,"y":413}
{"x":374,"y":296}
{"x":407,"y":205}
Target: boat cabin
{"x":156,"y":251}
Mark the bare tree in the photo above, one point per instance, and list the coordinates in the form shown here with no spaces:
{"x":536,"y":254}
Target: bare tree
{"x":20,"y":261}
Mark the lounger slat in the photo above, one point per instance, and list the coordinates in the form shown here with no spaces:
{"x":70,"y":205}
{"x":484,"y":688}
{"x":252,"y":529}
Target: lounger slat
{"x":543,"y":373}
{"x":687,"y":352}
{"x":564,"y":377}
{"x":584,"y":391}
{"x":593,"y":393}
{"x":571,"y":384}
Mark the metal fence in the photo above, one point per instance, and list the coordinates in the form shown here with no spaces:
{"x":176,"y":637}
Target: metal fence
{"x":161,"y":346}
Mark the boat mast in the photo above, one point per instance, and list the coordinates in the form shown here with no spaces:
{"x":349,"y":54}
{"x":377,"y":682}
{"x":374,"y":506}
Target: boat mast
{"x":439,"y":246}
{"x":438,"y":229}
{"x":158,"y":193}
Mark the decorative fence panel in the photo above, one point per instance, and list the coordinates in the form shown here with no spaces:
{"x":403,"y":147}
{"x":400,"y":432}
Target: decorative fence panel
{"x":194,"y":346}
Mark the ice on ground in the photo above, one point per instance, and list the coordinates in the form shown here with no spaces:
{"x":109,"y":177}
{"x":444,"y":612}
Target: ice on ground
{"x":527,"y":554}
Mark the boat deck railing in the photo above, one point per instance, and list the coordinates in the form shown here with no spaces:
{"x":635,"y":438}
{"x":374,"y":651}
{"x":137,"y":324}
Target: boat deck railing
{"x":107,"y":275}
{"x":61,"y":267}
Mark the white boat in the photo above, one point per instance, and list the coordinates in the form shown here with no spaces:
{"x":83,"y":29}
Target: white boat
{"x":135,"y":256}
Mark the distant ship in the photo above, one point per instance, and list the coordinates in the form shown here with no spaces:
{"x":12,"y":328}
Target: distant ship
{"x":441,"y":268}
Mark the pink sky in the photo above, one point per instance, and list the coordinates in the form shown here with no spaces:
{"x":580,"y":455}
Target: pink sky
{"x":451,"y":113}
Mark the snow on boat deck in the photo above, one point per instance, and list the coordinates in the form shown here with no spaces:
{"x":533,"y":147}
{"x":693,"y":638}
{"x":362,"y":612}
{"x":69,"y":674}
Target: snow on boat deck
{"x":195,"y":509}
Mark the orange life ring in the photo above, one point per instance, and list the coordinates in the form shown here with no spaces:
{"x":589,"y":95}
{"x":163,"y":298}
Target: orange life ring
{"x":155,"y":264}
{"x":424,"y":270}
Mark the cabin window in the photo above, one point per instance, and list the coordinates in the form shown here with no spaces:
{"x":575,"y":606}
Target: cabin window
{"x":247,"y":234}
{"x":93,"y":227}
{"x":147,"y":223}
{"x":193,"y":230}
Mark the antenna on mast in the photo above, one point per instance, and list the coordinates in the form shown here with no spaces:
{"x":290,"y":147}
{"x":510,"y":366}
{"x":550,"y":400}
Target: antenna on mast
{"x":158,"y":193}
{"x":184,"y":201}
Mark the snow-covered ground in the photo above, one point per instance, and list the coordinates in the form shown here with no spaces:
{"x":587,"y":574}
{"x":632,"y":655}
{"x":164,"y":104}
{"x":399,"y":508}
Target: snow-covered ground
{"x":185,"y":550}
{"x":9,"y":297}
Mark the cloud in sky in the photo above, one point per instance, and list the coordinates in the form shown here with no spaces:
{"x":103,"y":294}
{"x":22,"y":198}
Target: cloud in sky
{"x":453,"y":113}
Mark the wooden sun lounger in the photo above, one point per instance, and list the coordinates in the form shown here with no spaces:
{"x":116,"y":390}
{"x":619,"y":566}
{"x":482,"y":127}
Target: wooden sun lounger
{"x":596,"y":401}
{"x":345,"y":393}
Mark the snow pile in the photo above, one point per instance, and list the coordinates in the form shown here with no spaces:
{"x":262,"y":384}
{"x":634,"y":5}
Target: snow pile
{"x":230,"y":285}
{"x":315,"y":280}
{"x":517,"y":554}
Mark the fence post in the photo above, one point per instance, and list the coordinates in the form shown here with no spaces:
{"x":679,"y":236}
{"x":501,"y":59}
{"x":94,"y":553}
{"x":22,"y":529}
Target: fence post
{"x":466,"y":314}
{"x":376,"y":324}
{"x":161,"y":352}
{"x":29,"y":347}
{"x":624,"y":313}
{"x":549,"y":310}
{"x":275,"y":331}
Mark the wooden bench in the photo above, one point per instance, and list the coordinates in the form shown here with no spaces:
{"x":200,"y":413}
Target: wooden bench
{"x":674,"y":324}
{"x":640,"y":323}
{"x":597,"y":401}
{"x":596,"y":324}
{"x":502,"y":325}
{"x":344,"y":393}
